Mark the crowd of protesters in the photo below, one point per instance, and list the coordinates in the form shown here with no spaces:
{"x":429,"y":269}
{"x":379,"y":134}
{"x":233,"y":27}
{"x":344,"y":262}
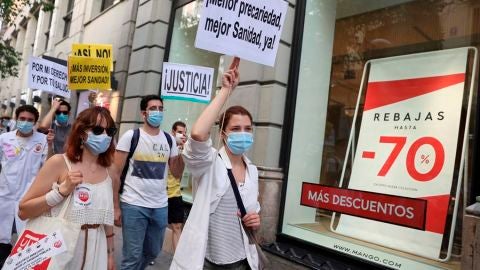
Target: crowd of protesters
{"x":76,"y":164}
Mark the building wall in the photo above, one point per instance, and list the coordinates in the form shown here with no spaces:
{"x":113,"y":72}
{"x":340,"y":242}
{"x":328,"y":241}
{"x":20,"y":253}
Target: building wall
{"x":113,"y":26}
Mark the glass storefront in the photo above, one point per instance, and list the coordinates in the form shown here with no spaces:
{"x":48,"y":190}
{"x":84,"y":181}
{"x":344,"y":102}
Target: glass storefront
{"x":183,"y":51}
{"x":339,"y":37}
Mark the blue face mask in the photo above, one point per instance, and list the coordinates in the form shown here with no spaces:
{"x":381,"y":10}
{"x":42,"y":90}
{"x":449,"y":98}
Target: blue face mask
{"x":239,"y":142}
{"x":98,"y":144}
{"x":155,"y":118}
{"x":5,"y":123}
{"x":25,"y":127}
{"x":62,"y":119}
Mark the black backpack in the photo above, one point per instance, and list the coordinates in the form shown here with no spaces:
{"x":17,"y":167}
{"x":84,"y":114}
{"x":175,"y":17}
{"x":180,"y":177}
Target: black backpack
{"x":133,"y":146}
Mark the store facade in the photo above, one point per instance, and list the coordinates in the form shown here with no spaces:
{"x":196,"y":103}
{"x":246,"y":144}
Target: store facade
{"x":304,"y":109}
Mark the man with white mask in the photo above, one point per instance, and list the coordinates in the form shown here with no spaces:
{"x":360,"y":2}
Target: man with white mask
{"x":22,"y":153}
{"x":144,"y":155}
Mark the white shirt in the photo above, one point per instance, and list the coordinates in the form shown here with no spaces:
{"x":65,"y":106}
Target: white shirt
{"x":145,"y":182}
{"x":210,"y":182}
{"x":20,"y":164}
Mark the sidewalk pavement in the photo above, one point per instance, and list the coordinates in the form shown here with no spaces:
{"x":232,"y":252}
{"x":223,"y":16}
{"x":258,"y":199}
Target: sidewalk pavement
{"x":162,"y":262}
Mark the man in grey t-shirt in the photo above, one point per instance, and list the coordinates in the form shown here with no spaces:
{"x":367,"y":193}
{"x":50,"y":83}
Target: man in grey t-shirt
{"x":61,"y":127}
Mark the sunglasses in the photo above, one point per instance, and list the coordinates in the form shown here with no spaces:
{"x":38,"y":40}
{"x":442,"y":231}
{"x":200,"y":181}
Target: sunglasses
{"x":97,"y":130}
{"x":61,"y":112}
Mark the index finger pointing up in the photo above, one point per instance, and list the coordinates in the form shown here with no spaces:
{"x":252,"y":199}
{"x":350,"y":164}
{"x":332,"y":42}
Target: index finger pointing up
{"x":235,"y":62}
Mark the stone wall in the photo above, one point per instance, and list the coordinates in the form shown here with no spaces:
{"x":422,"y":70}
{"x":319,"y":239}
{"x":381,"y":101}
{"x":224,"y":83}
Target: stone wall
{"x":471,"y":243}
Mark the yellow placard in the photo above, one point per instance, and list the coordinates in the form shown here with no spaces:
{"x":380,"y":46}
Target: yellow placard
{"x":94,"y":50}
{"x":88,"y":73}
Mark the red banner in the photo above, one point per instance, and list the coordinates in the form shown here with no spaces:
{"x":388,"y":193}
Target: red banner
{"x":397,"y":210}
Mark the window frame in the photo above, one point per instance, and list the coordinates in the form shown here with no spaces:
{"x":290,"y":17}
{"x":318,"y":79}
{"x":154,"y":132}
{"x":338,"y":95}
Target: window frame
{"x":67,"y":19}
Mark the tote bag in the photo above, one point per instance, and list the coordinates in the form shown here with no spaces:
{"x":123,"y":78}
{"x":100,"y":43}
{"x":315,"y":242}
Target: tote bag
{"x":41,"y":228}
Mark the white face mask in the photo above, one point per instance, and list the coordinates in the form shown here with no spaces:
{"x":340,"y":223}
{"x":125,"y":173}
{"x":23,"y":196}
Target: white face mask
{"x":179,"y":137}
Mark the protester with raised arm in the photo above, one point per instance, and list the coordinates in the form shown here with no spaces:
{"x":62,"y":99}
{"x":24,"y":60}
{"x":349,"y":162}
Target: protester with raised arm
{"x":214,"y":236}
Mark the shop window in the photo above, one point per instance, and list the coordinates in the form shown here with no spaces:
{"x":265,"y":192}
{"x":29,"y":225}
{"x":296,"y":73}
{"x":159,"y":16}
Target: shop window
{"x":67,"y":19}
{"x":339,"y":37}
{"x":183,"y":51}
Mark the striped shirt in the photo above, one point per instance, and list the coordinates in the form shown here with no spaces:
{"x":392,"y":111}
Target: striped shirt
{"x":225,"y":240}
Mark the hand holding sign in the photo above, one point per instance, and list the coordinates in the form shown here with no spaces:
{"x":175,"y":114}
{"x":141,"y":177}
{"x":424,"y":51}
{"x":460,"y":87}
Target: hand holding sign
{"x":232,"y":76}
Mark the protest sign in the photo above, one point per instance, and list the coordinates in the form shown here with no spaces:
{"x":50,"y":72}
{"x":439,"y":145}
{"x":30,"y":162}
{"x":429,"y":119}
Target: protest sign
{"x":187,"y":82}
{"x":88,"y":73}
{"x":35,"y":251}
{"x":48,"y":76}
{"x":249,"y":29}
{"x":95,"y":51}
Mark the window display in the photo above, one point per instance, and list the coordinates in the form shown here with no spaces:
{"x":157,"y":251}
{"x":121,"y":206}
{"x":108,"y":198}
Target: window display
{"x":338,"y":40}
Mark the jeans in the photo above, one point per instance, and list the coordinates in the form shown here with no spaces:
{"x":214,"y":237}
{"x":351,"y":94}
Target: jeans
{"x":143,"y":230}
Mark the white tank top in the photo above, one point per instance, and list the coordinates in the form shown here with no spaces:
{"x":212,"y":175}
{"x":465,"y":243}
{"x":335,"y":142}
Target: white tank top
{"x":91,"y":204}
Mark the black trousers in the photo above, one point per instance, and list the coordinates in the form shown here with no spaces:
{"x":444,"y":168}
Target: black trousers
{"x":5,"y":250}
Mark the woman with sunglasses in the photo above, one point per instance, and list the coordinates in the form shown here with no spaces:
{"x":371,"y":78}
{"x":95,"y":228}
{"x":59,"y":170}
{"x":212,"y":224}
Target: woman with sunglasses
{"x":89,"y":152}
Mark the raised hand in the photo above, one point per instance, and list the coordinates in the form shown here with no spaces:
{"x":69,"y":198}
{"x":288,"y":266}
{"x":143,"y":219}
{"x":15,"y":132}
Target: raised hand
{"x":56,"y":104}
{"x":232,"y":76}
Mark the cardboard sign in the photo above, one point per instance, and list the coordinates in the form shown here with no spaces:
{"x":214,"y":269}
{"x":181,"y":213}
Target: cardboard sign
{"x":187,"y":82}
{"x":88,"y":73}
{"x":104,"y":51}
{"x":407,"y":144}
{"x":249,"y":29}
{"x":398,"y":210}
{"x":48,"y":76}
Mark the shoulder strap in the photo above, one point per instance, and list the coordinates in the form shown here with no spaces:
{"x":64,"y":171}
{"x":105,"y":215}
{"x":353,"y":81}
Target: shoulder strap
{"x":63,"y":210}
{"x":238,"y":198}
{"x":67,"y":162}
{"x":169,"y":139}
{"x":133,"y":146}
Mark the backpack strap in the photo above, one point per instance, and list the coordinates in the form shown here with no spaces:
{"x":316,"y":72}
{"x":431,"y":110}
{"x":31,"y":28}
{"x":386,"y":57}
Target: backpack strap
{"x":169,"y":139}
{"x":133,"y":146}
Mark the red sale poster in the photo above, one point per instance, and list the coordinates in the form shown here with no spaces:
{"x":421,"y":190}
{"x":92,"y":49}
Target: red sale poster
{"x":407,"y":145}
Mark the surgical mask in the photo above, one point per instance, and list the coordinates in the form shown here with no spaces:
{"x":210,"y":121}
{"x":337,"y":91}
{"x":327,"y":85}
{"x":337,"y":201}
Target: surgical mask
{"x":5,"y":123}
{"x":62,"y":119}
{"x":98,"y":144}
{"x":155,"y":118}
{"x":239,"y":142}
{"x":25,"y":127}
{"x":179,"y":137}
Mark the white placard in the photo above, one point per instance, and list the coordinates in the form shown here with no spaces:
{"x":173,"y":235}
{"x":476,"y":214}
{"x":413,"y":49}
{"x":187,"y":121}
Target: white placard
{"x":187,"y":82}
{"x":407,"y":144}
{"x":48,"y":76}
{"x":249,"y":29}
{"x":37,"y":253}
